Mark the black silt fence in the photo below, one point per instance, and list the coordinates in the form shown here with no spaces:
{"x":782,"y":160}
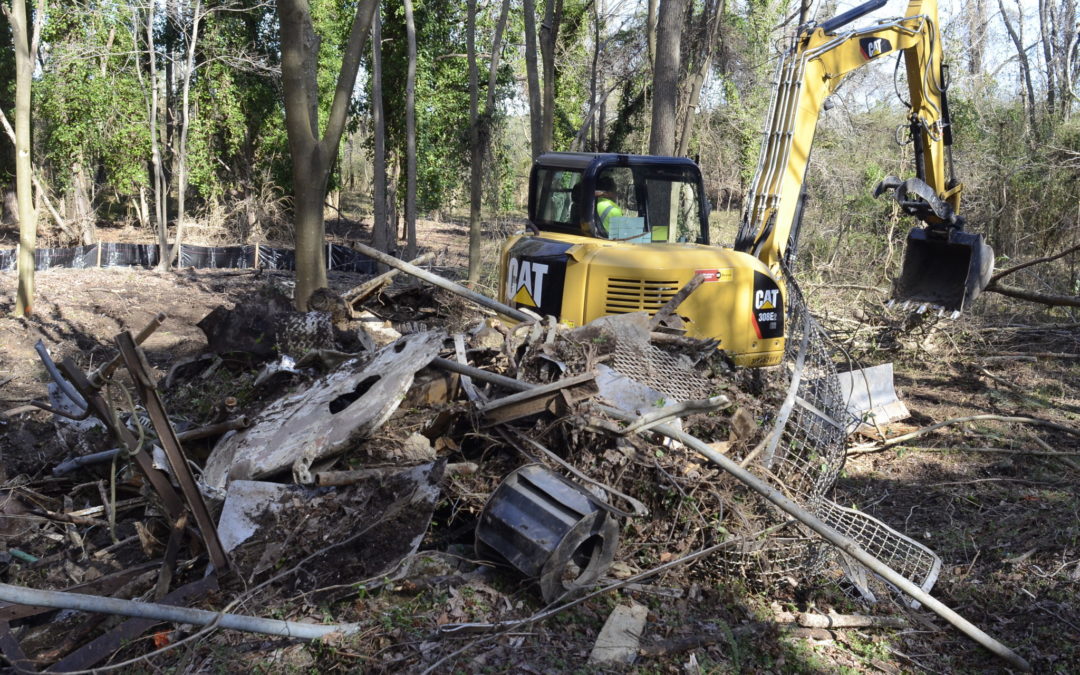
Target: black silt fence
{"x":104,"y":254}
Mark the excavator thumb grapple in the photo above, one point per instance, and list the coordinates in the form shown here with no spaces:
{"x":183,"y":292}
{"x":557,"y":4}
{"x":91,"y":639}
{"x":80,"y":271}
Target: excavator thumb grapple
{"x":943,"y":265}
{"x":946,"y":268}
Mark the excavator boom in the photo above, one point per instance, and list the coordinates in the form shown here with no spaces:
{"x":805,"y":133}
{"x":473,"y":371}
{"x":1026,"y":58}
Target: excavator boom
{"x":943,"y":265}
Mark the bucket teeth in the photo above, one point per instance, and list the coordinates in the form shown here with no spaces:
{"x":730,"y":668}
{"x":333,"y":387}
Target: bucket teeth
{"x":921,"y":309}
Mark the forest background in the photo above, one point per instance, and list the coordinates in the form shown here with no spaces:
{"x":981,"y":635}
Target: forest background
{"x":167,"y":120}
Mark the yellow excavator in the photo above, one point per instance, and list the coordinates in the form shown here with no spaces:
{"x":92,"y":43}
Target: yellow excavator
{"x":614,"y":233}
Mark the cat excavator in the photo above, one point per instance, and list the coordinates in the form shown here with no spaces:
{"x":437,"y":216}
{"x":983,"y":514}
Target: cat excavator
{"x":580,"y":261}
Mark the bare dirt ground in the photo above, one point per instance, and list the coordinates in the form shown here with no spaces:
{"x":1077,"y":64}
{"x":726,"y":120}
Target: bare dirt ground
{"x":1002,"y":514}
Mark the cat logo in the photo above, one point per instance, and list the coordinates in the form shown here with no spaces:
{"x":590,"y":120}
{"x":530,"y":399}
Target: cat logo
{"x":871,"y":47}
{"x":525,"y":282}
{"x":766,"y":299}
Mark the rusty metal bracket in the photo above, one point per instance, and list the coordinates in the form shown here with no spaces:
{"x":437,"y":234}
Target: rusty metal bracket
{"x":13,"y":652}
{"x":144,"y":386}
{"x":93,"y":652}
{"x":100,"y":408}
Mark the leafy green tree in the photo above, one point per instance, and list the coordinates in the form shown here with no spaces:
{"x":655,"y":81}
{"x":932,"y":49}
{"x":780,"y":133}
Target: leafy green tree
{"x":90,"y":110}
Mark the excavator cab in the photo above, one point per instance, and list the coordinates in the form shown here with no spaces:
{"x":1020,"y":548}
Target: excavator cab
{"x":621,"y":198}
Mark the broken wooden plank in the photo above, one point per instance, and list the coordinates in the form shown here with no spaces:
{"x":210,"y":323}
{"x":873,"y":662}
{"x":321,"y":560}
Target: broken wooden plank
{"x":672,"y":305}
{"x":174,"y":506}
{"x":466,"y":381}
{"x":553,"y":397}
{"x":147,"y":392}
{"x":13,"y":652}
{"x":365,"y":290}
{"x":618,"y":640}
{"x":96,"y":650}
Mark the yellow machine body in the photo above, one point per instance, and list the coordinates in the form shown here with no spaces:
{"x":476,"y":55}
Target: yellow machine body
{"x":580,"y":278}
{"x":585,"y":259}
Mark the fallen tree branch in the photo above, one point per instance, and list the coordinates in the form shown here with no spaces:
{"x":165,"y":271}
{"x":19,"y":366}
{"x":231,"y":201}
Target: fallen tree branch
{"x":372,"y":286}
{"x":1016,"y":268}
{"x":443,"y":283}
{"x":670,"y":412}
{"x":1049,"y":299}
{"x":756,"y":628}
{"x":672,"y":305}
{"x":971,"y":418}
{"x":1003,"y":451}
{"x":830,"y":620}
{"x":1037,"y":355}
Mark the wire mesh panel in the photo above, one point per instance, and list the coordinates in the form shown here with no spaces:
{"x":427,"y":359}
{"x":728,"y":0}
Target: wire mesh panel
{"x":663,"y":372}
{"x":802,"y":455}
{"x":911,"y":559}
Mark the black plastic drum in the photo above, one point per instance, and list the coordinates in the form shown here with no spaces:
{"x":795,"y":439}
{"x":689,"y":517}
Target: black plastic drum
{"x":549,"y":529}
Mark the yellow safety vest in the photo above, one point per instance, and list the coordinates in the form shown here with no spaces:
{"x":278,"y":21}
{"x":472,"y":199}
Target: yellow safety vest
{"x":607,"y":209}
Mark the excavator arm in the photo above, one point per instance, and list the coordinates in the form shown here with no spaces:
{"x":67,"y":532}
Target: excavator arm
{"x":819,"y":59}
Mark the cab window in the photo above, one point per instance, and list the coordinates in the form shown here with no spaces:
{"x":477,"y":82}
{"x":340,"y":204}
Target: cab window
{"x":558,"y":200}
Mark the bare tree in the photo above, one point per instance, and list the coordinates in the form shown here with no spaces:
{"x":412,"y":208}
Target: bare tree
{"x":974,"y":15}
{"x":153,"y":88}
{"x":711,"y":14}
{"x":666,"y":76}
{"x":167,"y":257}
{"x":1022,"y":58}
{"x":312,"y":156}
{"x":26,"y":47}
{"x":549,"y":35}
{"x":410,"y":135}
{"x":380,"y":230}
{"x":652,"y":9}
{"x":1046,"y":9}
{"x":480,"y":130}
{"x":532,"y":76}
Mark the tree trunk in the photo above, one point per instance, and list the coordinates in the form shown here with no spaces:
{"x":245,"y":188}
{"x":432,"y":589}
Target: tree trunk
{"x":157,"y":168}
{"x":666,"y":77}
{"x":25,"y":49}
{"x":312,"y":157}
{"x":1025,"y":67}
{"x":181,"y":150}
{"x":532,"y":76}
{"x":11,"y":204}
{"x":81,"y":210}
{"x":650,"y":30}
{"x":480,"y":130}
{"x":594,"y":75}
{"x":410,"y":136}
{"x":712,"y":14}
{"x":380,"y":235}
{"x":1046,"y":30}
{"x":475,"y":153}
{"x":549,"y":35}
{"x":975,"y":16}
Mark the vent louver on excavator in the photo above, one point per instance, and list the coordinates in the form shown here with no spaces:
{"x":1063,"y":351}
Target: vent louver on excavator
{"x":638,"y":295}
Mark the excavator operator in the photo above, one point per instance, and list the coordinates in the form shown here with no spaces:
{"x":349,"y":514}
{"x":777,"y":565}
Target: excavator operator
{"x":606,"y":207}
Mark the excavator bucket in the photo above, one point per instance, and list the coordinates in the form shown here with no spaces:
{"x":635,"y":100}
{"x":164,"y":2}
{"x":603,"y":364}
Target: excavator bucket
{"x":947,"y":270}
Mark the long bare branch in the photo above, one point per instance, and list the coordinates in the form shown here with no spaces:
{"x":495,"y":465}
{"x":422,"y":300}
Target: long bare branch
{"x":1034,"y":296}
{"x":1016,"y":268}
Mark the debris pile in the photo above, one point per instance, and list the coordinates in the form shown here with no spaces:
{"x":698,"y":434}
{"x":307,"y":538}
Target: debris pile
{"x":384,"y":447}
